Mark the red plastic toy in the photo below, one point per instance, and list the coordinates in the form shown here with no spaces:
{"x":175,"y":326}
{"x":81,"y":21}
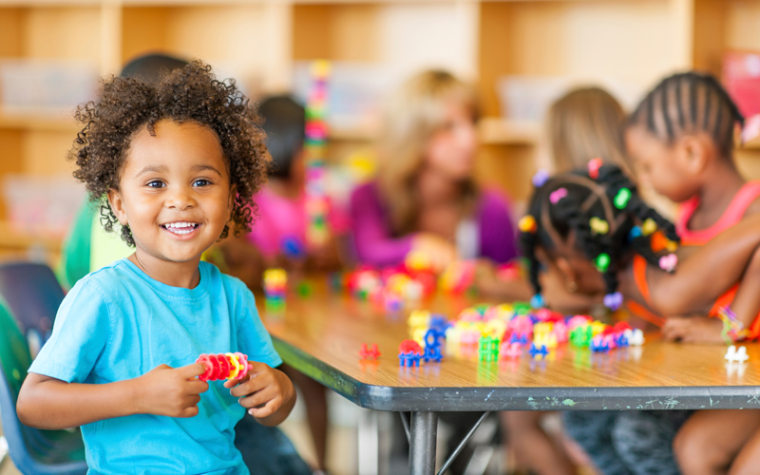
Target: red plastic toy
{"x":409,"y":353}
{"x":223,"y":366}
{"x":369,"y":352}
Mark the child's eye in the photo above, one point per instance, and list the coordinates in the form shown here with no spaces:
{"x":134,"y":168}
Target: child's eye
{"x":155,"y":184}
{"x":201,"y":182}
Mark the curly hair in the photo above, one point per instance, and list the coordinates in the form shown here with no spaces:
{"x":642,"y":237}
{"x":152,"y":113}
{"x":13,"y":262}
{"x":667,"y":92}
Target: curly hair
{"x":578,"y":202}
{"x":191,"y":93}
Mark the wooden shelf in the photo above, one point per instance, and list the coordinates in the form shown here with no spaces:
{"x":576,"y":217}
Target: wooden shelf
{"x":12,"y":238}
{"x":498,"y":131}
{"x":624,"y":43}
{"x":39,"y":121}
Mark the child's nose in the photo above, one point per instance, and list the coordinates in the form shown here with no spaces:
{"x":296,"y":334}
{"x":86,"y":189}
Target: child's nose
{"x":181,"y":199}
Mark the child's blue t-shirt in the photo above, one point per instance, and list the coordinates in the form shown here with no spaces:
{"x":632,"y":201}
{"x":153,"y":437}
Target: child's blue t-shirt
{"x":118,"y":323}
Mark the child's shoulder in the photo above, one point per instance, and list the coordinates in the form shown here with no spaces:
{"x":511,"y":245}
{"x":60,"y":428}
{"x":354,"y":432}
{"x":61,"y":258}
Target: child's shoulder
{"x":107,"y":277}
{"x":229,"y":282}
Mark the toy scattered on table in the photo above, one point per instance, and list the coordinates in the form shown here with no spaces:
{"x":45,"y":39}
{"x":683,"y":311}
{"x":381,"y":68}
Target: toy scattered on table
{"x":304,"y":289}
{"x":369,"y":352}
{"x":409,"y":353}
{"x":317,"y":232}
{"x":736,"y":355}
{"x":538,"y":351}
{"x":292,"y":247}
{"x":488,"y":348}
{"x":733,"y":330}
{"x":275,"y":286}
{"x":223,"y":366}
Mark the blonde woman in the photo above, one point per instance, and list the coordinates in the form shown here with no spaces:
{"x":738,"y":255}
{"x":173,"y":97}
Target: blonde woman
{"x":424,"y":198}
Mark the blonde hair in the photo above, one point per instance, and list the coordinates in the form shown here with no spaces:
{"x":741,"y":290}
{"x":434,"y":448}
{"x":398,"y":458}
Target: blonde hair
{"x":585,"y":123}
{"x":413,"y":114}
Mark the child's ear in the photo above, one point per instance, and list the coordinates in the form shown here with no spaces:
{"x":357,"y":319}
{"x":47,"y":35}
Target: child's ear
{"x":694,"y":152}
{"x":117,"y":206}
{"x":231,"y":199}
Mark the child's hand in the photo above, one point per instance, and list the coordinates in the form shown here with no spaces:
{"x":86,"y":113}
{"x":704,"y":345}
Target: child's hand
{"x":264,"y":391}
{"x":173,"y":392}
{"x":439,"y":252}
{"x":489,"y":283}
{"x":695,"y":329}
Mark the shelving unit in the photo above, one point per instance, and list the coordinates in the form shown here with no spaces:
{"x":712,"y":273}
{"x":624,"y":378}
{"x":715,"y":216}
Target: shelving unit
{"x":260,"y":42}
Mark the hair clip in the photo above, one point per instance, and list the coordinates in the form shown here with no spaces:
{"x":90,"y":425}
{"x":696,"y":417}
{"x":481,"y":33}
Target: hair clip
{"x":556,"y":195}
{"x":669,"y":262}
{"x":537,"y":301}
{"x":648,"y":227}
{"x":527,"y":224}
{"x":622,"y":198}
{"x":598,"y":225}
{"x":540,"y":177}
{"x":602,"y":262}
{"x":593,"y":167}
{"x":613,"y":301}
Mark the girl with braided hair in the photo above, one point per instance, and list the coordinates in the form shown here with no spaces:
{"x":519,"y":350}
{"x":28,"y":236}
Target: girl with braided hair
{"x":592,"y":225}
{"x":681,"y":140}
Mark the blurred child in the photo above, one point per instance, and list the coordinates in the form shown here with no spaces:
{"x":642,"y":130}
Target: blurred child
{"x":582,"y":124}
{"x":681,"y":137}
{"x":278,"y":237}
{"x":179,"y":162}
{"x":424,"y":199}
{"x":593,"y":226}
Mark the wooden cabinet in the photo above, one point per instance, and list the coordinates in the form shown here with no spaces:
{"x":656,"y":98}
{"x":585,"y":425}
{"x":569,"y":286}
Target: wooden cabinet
{"x":261,"y":42}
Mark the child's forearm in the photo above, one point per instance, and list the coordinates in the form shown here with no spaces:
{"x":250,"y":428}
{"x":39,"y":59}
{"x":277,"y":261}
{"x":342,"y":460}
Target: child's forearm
{"x":746,"y":304}
{"x":49,"y":403}
{"x":288,"y":401}
{"x":710,"y":271}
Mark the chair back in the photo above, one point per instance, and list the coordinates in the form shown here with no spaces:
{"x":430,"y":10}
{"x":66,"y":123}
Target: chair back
{"x":33,"y":451}
{"x":33,"y":295}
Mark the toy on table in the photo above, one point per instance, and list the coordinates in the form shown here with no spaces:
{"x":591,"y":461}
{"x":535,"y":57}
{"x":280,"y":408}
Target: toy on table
{"x":488,"y":348}
{"x":317,"y":205}
{"x":538,"y":351}
{"x":369,"y":352}
{"x":275,"y":286}
{"x":734,"y":355}
{"x":409,"y":353}
{"x":223,"y":366}
{"x":433,"y":337}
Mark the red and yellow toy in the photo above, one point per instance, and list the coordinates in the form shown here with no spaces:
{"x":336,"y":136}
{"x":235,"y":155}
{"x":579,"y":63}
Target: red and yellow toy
{"x":223,"y":366}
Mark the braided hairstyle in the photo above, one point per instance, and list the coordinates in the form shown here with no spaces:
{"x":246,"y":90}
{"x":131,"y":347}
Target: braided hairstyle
{"x":599,"y":205}
{"x":686,"y":103}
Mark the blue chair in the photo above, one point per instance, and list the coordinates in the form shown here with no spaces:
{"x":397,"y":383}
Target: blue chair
{"x":33,"y":451}
{"x":33,"y":295}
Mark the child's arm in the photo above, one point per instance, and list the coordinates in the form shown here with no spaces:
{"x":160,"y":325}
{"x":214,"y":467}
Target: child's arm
{"x":267,"y":393}
{"x":50,"y":403}
{"x":701,"y":329}
{"x":242,"y":260}
{"x":708,"y":272}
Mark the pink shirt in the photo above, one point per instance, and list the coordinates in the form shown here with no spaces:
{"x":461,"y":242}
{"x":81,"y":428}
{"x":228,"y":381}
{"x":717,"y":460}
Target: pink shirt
{"x":746,"y":195}
{"x":280,"y":218}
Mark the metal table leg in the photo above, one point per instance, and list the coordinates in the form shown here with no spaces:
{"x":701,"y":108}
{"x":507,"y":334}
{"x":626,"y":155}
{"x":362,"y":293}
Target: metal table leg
{"x":424,"y":429}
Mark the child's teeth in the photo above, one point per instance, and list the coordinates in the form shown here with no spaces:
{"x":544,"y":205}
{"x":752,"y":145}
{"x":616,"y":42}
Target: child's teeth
{"x":180,"y":228}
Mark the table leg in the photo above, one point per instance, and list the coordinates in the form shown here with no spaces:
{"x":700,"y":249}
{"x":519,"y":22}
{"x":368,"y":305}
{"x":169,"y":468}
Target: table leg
{"x":368,"y":442}
{"x":424,"y":429}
